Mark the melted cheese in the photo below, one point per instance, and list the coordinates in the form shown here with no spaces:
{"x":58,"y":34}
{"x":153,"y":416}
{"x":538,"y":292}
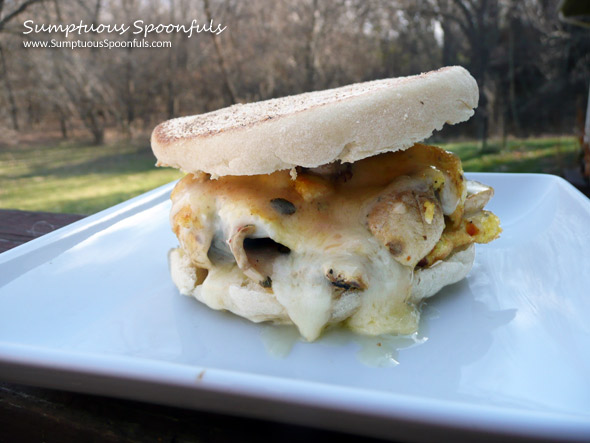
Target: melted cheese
{"x":335,"y":269}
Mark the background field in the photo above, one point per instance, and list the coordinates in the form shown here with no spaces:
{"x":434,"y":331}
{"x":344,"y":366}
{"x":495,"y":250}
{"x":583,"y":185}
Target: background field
{"x":74,"y":122}
{"x":67,"y":177}
{"x":83,"y":179}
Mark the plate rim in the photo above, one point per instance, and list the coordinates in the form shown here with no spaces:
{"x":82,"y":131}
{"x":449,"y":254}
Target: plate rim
{"x":385,"y":406}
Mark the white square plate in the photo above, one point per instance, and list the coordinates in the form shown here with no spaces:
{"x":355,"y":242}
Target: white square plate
{"x":91,"y":308}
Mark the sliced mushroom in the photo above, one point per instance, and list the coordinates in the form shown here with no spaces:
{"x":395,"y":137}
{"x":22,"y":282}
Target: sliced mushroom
{"x":194,"y":236}
{"x":348,"y":279}
{"x":478,"y":195}
{"x":262,"y":252}
{"x":335,"y":171}
{"x":453,"y":192}
{"x":255,"y":255}
{"x":408,"y":219}
{"x":341,"y":280}
{"x":450,"y":196}
{"x":236,"y":244}
{"x":344,"y":306}
{"x":219,"y":253}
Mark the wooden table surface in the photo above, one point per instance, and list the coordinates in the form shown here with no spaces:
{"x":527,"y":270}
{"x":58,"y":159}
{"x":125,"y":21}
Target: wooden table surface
{"x":35,"y":414}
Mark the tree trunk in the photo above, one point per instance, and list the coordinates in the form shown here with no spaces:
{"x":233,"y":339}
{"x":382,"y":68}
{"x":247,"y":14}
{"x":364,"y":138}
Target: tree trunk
{"x":130,"y":89}
{"x":9,"y":92}
{"x":63,"y":126}
{"x":586,"y":142}
{"x":512,"y":77}
{"x":228,"y":88}
{"x":95,"y":123}
{"x":310,"y":50}
{"x":448,"y":49}
{"x":480,"y":56}
{"x":98,"y":134}
{"x":171,"y":99}
{"x":63,"y":121}
{"x":587,"y":123}
{"x":482,"y":108}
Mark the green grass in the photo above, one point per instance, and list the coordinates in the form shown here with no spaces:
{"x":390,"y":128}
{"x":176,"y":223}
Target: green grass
{"x":75,"y":178}
{"x":68,"y":177}
{"x":546,"y":155}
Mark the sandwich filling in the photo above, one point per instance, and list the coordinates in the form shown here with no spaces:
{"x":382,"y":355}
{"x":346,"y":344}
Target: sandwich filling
{"x":342,"y":243}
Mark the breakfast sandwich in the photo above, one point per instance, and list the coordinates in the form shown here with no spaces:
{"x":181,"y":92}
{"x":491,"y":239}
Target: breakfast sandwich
{"x":324,"y":208}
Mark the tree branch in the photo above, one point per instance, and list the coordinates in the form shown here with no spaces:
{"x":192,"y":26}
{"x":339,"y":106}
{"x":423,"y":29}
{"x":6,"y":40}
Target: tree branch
{"x":228,"y":86}
{"x":23,"y":7}
{"x":438,"y":13}
{"x":466,"y":13}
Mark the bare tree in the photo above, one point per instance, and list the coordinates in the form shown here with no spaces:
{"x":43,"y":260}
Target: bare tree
{"x":5,"y":18}
{"x":228,"y":87}
{"x":478,"y":21}
{"x":530,"y":68}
